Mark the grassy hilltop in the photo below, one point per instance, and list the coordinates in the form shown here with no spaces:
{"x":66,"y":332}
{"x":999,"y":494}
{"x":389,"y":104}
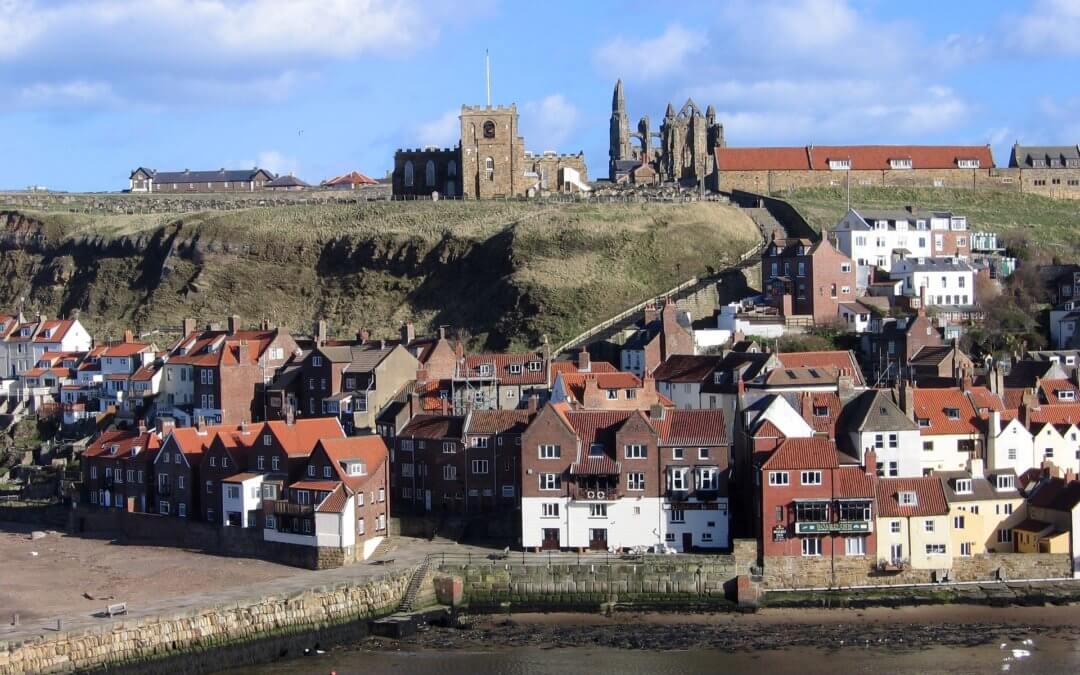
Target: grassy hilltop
{"x":1052,"y":225}
{"x":506,"y":273}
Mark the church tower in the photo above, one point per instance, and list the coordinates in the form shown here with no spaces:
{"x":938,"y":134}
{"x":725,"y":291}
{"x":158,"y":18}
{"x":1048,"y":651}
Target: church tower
{"x":619,"y":141}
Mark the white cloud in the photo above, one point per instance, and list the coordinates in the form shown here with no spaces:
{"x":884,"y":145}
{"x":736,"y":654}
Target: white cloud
{"x":443,"y":132}
{"x":63,"y":94}
{"x":272,"y":160}
{"x":550,"y":122}
{"x":1052,"y":26}
{"x":211,"y":49}
{"x":651,"y":58}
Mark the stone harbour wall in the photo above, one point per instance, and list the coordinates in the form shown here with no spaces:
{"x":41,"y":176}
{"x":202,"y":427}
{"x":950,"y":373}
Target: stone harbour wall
{"x":824,"y":572}
{"x":205,"y":637}
{"x":573,"y":584}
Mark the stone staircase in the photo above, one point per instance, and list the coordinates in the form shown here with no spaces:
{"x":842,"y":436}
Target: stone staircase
{"x":416,"y":582}
{"x":766,"y":222}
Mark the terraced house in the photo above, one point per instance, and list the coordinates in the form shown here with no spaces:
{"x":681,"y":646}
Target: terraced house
{"x":603,"y":480}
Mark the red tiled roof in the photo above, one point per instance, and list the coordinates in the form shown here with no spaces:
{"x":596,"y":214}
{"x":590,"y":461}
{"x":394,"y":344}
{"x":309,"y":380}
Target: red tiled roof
{"x":839,"y":360}
{"x":692,"y":427}
{"x":1013,"y":398}
{"x":197,"y":343}
{"x":598,"y":465}
{"x":594,"y":427}
{"x":687,"y":368}
{"x":124,"y":349}
{"x":353,"y":178}
{"x":125,"y":440}
{"x":574,"y":383}
{"x":931,"y":404}
{"x":322,"y":485}
{"x":929,"y":497}
{"x":59,"y":328}
{"x":498,"y":421}
{"x":766,"y":429}
{"x":852,"y":482}
{"x":571,"y":367}
{"x":300,"y":438}
{"x":862,"y":157}
{"x":1050,"y":389}
{"x":335,"y":502}
{"x":501,"y":363}
{"x":804,"y":453}
{"x":433,"y":427}
{"x":193,"y":442}
{"x":981,"y":397}
{"x":831,"y":402}
{"x":1054,"y":413}
{"x":371,"y":450}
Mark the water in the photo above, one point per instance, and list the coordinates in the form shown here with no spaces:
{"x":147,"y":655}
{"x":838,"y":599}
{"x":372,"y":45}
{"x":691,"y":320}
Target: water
{"x":1042,"y":655}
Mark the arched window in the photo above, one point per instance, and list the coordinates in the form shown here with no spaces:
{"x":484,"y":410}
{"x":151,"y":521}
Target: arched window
{"x":489,"y":129}
{"x":451,"y":168}
{"x":429,"y":174}
{"x":489,"y":168}
{"x":408,"y":174}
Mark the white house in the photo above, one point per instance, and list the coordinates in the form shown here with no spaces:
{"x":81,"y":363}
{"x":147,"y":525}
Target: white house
{"x":26,"y":342}
{"x":879,"y":424}
{"x":241,"y":499}
{"x":1064,"y":325}
{"x":949,"y":427}
{"x":1009,"y":445}
{"x":944,"y":281}
{"x":1056,"y":443}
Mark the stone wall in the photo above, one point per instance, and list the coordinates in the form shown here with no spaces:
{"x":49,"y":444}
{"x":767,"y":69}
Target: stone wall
{"x":571,"y":584}
{"x":272,"y":622}
{"x":841,"y":571}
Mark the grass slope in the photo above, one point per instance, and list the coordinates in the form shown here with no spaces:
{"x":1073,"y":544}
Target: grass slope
{"x":506,"y":273}
{"x":1051,"y":224}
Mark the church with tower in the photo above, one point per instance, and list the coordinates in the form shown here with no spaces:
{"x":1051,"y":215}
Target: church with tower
{"x":681,"y":151}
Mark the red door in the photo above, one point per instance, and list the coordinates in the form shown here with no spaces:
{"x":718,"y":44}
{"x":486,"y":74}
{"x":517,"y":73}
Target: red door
{"x":551,"y":539}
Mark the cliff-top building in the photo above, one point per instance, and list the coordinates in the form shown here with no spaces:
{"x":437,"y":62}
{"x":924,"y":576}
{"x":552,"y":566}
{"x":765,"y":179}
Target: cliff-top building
{"x":490,"y":161}
{"x":685,"y":144}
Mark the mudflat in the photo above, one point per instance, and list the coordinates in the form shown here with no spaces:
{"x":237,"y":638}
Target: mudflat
{"x":60,"y":575}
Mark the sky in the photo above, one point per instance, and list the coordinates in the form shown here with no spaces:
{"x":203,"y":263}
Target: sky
{"x":91,"y":89}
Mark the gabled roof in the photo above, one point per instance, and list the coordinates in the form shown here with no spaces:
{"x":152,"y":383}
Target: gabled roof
{"x":501,"y":367}
{"x":286,"y":181}
{"x":300,"y":438}
{"x":1022,"y":156}
{"x":124,"y":349}
{"x":352,"y":178}
{"x":53,"y":331}
{"x":123,"y":441}
{"x":214,"y":348}
{"x":875,"y":410}
{"x":193,"y":441}
{"x":335,"y":502}
{"x":850,"y":482}
{"x":1054,"y":413}
{"x":574,"y":383}
{"x":362,"y":357}
{"x":1056,"y":495}
{"x":221,"y":175}
{"x":981,"y":488}
{"x":1050,"y":389}
{"x":837,"y":360}
{"x":370,"y":450}
{"x":929,"y":497}
{"x":861,"y":157}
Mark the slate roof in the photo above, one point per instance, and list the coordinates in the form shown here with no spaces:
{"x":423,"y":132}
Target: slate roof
{"x":1022,"y":155}
{"x":286,"y":181}
{"x":221,"y":175}
{"x":687,"y":368}
{"x":875,"y":410}
{"x":938,"y":264}
{"x":434,"y":427}
{"x":981,"y":488}
{"x":1056,"y":495}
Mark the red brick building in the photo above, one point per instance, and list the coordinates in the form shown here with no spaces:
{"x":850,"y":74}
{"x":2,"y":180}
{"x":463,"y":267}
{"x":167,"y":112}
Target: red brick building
{"x":118,"y":471}
{"x":802,"y":278}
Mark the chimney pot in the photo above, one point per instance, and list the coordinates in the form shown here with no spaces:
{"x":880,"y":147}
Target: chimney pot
{"x":234,"y":324}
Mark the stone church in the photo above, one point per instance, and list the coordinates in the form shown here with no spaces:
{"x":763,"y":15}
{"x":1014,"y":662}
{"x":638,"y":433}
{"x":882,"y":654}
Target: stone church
{"x":681,"y":151}
{"x":489,"y":162}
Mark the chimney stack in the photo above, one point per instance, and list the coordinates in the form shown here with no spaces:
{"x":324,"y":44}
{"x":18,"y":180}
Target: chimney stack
{"x":534,"y":403}
{"x":976,"y":468}
{"x":363,"y":335}
{"x":165,"y":425}
{"x":290,"y":414}
{"x":129,"y":337}
{"x":408,"y":333}
{"x":870,"y":462}
{"x":234,"y":324}
{"x":442,"y":332}
{"x":1070,"y":476}
{"x":188,"y":326}
{"x":320,"y":332}
{"x":807,"y":402}
{"x":583,"y":363}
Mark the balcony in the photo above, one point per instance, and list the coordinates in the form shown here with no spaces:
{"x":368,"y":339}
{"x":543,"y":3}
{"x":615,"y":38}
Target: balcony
{"x":281,"y":507}
{"x":594,"y":494}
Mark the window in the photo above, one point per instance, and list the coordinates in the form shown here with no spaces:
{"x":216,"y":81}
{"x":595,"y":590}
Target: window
{"x":180,"y":482}
{"x":707,"y":478}
{"x":928,"y":525}
{"x":550,"y":481}
{"x":1008,"y":509}
{"x":163,"y":508}
{"x":311,"y":471}
{"x":678,"y":478}
{"x":957,"y":523}
{"x":810,"y":478}
{"x":894,"y":526}
{"x":636,"y":451}
{"x":448,"y":448}
{"x":811,"y":546}
{"x":1005,"y":482}
{"x":927,"y":446}
{"x":676,"y":453}
{"x":479,"y":466}
{"x":678,"y":516}
{"x":549,"y":510}
{"x":855,"y":546}
{"x":879,"y":441}
{"x":935,"y":549}
{"x":429,"y":174}
{"x":845,"y":268}
{"x":409,"y":174}
{"x":631,"y":394}
{"x":967,"y":163}
{"x":181,"y":510}
{"x":1004,"y":536}
{"x":963,"y":486}
{"x":778,"y":478}
{"x":952,"y":413}
{"x":702,"y":453}
{"x":209,"y":487}
{"x":275,"y":463}
{"x":839,"y":165}
{"x":489,"y":168}
{"x":812,"y":512}
{"x":613,"y":394}
{"x":598,"y":510}
{"x":894,"y":441}
{"x":326,"y":472}
{"x":449,"y":472}
{"x":907,"y":499}
{"x":550,"y":452}
{"x":635,"y":481}
{"x":489,"y":129}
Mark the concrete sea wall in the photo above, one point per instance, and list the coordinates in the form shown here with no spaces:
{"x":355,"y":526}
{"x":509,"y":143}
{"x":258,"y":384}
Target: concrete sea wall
{"x":212,"y":637}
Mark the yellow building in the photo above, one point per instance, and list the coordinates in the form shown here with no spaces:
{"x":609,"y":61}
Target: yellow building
{"x":983,"y":511}
{"x":1037,"y":536}
{"x":913,"y":528}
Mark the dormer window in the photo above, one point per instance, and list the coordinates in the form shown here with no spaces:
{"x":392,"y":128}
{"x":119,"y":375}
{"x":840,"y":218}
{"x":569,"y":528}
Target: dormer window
{"x":113,"y":449}
{"x":821,"y":411}
{"x":839,"y":164}
{"x":924,"y":422}
{"x":967,"y":163}
{"x":1067,"y":395}
{"x":485,"y":370}
{"x":1005,"y":482}
{"x":596,"y":450}
{"x":963,"y":486}
{"x":907,"y":498}
{"x":900,"y":163}
{"x":515,"y":368}
{"x":718,"y":378}
{"x":316,"y":361}
{"x":952,"y":413}
{"x":356,"y":469}
{"x":535,"y":366}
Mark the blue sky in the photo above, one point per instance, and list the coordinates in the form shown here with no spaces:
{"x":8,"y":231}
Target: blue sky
{"x":94,"y":88}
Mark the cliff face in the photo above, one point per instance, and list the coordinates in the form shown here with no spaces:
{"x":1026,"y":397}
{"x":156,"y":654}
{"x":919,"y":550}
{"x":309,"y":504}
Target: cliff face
{"x":552,"y":271}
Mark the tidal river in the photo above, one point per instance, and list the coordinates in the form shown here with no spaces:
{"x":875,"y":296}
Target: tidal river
{"x":916,"y":640}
